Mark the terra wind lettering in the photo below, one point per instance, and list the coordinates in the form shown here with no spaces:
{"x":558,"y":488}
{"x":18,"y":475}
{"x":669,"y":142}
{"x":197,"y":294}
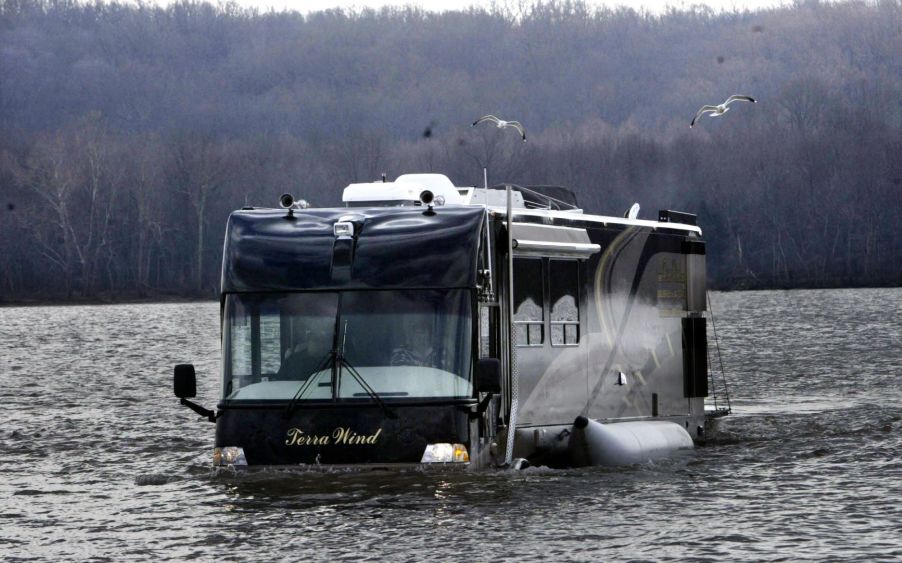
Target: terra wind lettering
{"x":341,"y":435}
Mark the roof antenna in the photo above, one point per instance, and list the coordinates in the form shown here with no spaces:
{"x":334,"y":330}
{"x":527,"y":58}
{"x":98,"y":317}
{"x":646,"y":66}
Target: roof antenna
{"x":485,"y":177}
{"x":383,"y":177}
{"x":632,"y":212}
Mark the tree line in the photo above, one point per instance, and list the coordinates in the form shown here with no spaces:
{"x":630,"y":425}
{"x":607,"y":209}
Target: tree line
{"x":128,"y":132}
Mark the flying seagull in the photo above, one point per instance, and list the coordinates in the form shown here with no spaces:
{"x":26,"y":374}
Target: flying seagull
{"x":501,"y":124}
{"x":722,"y":108}
{"x":427,"y":132}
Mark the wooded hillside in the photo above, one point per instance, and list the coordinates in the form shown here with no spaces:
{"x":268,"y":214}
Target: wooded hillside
{"x":129,"y":132}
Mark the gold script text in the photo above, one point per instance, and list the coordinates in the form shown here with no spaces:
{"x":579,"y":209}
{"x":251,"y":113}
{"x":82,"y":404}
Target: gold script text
{"x":341,"y":435}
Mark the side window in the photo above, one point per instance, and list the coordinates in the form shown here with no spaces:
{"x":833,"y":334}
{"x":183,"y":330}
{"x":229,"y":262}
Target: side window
{"x":488,"y":331}
{"x":240,"y":353}
{"x":255,"y":342}
{"x":564,"y":290}
{"x":485,"y":334}
{"x":270,"y":341}
{"x":529,"y":314}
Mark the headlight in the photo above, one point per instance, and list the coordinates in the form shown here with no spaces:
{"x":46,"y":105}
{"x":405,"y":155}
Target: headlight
{"x":445,"y":453}
{"x":228,"y":456}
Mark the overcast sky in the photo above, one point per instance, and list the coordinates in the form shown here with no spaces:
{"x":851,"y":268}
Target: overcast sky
{"x":441,"y":5}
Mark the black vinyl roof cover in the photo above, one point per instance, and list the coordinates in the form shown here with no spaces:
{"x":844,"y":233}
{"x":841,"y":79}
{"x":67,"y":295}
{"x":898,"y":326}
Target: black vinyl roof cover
{"x":396,"y":247}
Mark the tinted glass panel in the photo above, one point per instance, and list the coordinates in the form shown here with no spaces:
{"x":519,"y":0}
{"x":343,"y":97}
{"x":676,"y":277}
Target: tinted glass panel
{"x":398,"y":343}
{"x":564,"y":290}
{"x":484,"y":334}
{"x":529,"y":312}
{"x":276,"y":337}
{"x":407,"y":343}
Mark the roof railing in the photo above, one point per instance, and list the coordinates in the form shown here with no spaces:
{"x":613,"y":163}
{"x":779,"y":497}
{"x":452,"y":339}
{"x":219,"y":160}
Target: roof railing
{"x":550,"y":203}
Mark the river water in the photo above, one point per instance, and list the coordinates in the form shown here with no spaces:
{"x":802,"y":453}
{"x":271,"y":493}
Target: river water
{"x":98,"y":460}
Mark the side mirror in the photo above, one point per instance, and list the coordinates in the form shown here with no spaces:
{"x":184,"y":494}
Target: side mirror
{"x":184,"y":381}
{"x":488,"y":375}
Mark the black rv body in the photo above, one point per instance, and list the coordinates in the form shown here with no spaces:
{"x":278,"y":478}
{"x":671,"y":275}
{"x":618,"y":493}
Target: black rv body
{"x":394,"y":256}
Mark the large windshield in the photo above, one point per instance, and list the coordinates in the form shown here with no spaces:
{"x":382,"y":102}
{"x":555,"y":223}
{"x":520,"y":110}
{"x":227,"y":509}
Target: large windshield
{"x":402,"y":344}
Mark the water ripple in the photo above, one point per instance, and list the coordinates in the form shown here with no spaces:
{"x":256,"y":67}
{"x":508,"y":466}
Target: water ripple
{"x":99,"y":461}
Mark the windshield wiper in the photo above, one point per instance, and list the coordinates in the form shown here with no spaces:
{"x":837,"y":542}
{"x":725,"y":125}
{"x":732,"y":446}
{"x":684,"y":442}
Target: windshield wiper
{"x":342,"y":362}
{"x":336,"y":358}
{"x":366,"y":387}
{"x":327,"y":359}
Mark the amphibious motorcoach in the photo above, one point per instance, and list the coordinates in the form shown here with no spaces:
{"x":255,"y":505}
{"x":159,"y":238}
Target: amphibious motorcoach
{"x":424,"y":323}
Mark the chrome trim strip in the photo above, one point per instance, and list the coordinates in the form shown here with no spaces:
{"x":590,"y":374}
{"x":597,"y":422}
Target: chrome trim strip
{"x":545,"y":248}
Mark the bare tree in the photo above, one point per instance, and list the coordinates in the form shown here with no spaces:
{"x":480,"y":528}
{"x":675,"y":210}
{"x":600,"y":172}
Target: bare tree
{"x":200,"y":166}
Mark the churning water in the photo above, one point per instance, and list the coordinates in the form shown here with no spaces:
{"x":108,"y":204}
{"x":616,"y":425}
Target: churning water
{"x":98,"y":460}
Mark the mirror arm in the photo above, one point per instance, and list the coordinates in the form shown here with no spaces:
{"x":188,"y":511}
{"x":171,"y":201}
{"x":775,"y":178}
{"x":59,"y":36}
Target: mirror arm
{"x":484,"y":403}
{"x":210,"y":415}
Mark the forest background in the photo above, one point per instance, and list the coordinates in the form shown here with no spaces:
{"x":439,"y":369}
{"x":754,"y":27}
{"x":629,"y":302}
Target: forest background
{"x":128,"y":132}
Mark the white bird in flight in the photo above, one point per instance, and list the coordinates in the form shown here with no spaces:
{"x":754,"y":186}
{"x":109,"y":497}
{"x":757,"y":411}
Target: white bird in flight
{"x":501,"y":124}
{"x":722,"y":108}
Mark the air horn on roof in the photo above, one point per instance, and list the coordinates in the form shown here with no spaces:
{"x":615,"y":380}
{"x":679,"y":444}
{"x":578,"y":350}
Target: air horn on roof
{"x":287,"y":201}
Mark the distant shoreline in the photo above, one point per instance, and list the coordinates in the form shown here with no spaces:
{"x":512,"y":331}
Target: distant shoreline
{"x":787,"y":287}
{"x":51,"y":302}
{"x":127,"y":300}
